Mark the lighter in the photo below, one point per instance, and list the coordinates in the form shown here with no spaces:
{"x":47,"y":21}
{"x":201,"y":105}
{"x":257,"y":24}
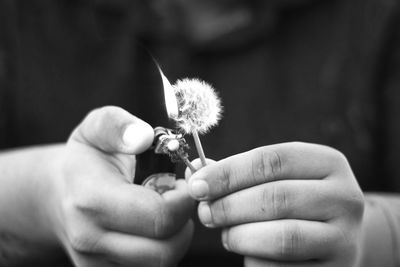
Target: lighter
{"x":157,"y":165}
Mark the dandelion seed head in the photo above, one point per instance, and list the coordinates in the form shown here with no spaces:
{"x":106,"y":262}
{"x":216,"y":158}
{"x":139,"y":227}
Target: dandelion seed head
{"x":199,"y":106}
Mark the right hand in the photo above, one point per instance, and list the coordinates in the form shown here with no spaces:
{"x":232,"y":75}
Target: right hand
{"x":99,"y":215}
{"x":290,"y":204}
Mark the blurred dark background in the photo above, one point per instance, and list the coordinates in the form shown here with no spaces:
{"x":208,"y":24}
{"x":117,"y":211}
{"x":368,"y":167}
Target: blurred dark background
{"x":321,"y":71}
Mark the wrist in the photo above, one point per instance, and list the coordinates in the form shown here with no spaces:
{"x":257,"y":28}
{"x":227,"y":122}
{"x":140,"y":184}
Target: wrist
{"x":49,"y":175}
{"x":377,"y":237}
{"x":26,"y":194}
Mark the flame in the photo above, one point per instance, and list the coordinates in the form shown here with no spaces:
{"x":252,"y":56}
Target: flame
{"x":171,"y":102}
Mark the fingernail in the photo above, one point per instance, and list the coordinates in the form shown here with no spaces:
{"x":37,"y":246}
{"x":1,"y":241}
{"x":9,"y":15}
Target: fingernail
{"x":199,"y":189}
{"x":205,"y":214}
{"x":133,"y":135}
{"x":225,"y":239}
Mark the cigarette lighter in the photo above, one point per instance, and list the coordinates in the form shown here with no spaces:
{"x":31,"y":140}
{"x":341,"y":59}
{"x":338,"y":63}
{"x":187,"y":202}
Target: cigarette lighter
{"x":155,"y":169}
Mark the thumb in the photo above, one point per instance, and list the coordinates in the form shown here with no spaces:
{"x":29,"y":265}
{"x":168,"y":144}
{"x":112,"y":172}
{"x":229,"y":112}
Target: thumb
{"x":114,"y":130}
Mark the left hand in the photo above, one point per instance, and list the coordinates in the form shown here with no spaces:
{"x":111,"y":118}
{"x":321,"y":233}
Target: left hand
{"x":291,"y":204}
{"x":98,"y":215}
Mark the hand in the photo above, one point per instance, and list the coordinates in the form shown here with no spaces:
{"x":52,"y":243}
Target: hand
{"x":291,"y":204}
{"x":99,"y":215}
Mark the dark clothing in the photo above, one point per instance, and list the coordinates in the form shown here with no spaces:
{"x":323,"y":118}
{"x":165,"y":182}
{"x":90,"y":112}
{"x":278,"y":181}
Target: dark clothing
{"x":323,"y":71}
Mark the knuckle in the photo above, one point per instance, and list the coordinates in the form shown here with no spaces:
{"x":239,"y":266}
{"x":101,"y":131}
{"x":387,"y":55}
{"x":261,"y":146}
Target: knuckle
{"x":341,"y":160}
{"x":81,"y":241}
{"x":289,"y":241}
{"x":85,"y":203}
{"x":337,"y":157}
{"x":267,"y":165}
{"x":106,"y":111}
{"x":220,"y":211}
{"x":275,"y":164}
{"x":227,"y":177}
{"x":77,"y":212}
{"x":77,"y":235}
{"x":275,"y":201}
{"x":94,"y":117}
{"x":103,"y":115}
{"x":354,"y":204}
{"x":358,"y":202}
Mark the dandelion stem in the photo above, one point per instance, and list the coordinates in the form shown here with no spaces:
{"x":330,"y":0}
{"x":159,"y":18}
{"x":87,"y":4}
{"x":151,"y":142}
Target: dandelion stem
{"x":188,"y":163}
{"x":199,"y":147}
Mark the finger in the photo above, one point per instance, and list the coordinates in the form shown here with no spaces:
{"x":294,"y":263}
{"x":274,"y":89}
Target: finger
{"x":144,"y":212}
{"x":284,"y":240}
{"x":197,"y":165}
{"x":257,"y":262}
{"x":85,"y":260}
{"x":140,"y":251}
{"x":114,"y":130}
{"x":266,"y":164}
{"x":134,"y":209}
{"x":295,"y":199}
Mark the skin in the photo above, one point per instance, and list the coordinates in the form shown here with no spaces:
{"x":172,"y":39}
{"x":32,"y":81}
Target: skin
{"x":80,"y":196}
{"x":291,"y":204}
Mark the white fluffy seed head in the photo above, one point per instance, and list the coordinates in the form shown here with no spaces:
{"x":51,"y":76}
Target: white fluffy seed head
{"x":199,"y":106}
